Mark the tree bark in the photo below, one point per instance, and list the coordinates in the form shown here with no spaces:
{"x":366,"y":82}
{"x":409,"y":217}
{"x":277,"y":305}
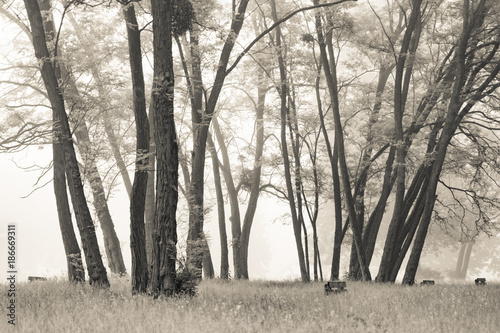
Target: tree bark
{"x":165,"y":225}
{"x":76,"y":271}
{"x":139,"y":273}
{"x":150,"y":192}
{"x":96,"y":269}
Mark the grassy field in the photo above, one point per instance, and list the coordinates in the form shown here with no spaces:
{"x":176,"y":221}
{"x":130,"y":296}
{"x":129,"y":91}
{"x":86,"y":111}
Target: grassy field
{"x":259,"y":306}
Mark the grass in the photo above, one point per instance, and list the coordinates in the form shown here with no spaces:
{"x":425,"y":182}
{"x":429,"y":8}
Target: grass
{"x":257,"y":306}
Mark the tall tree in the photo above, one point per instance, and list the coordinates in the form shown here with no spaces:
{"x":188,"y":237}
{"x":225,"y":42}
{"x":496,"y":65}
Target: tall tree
{"x":165,"y":224}
{"x":138,"y":195}
{"x":476,"y":77}
{"x":285,"y":117}
{"x":76,"y":270}
{"x":331,"y":78}
{"x":201,"y":118}
{"x":96,"y":269}
{"x":221,"y":215}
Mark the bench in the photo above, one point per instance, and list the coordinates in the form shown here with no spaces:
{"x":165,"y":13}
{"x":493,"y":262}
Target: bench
{"x":428,"y":282}
{"x":480,"y":281}
{"x":335,"y":287}
{"x":36,"y":278}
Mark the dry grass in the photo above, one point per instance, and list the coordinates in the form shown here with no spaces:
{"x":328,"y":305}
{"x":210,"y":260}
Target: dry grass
{"x":259,"y":306}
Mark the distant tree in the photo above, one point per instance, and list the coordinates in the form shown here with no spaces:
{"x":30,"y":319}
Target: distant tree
{"x":221,"y":215}
{"x":285,"y":118}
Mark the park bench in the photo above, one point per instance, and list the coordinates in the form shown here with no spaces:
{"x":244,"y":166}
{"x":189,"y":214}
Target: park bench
{"x":335,"y":287}
{"x":480,"y":281}
{"x":36,"y":278}
{"x":427,"y":282}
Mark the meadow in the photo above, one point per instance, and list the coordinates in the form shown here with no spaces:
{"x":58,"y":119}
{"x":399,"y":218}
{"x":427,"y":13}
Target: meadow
{"x":256,"y":306}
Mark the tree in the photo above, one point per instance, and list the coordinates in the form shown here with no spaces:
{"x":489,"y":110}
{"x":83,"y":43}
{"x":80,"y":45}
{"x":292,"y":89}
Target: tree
{"x":331,"y":78}
{"x":201,"y":118}
{"x":76,"y":271}
{"x":138,"y":194}
{"x":73,"y":98}
{"x":468,"y":63}
{"x":224,"y":259}
{"x":165,"y":224}
{"x":96,"y":269}
{"x":404,"y":67}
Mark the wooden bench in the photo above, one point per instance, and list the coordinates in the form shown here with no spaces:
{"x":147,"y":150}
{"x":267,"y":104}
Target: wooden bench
{"x":428,"y":282}
{"x":480,"y":281}
{"x":36,"y":278}
{"x":335,"y":287}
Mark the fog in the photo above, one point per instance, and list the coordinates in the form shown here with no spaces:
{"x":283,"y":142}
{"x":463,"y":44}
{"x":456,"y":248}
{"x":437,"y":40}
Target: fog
{"x":28,"y":201}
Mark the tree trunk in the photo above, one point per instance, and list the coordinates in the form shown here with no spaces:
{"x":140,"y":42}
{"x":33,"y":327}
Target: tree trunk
{"x":465,"y":267}
{"x":333,"y":158}
{"x":201,"y":121}
{"x":403,"y":72}
{"x":224,"y":257}
{"x":150,"y":192}
{"x":458,"y":108}
{"x":408,"y":235}
{"x":233,"y":199}
{"x":283,"y":90}
{"x":76,"y":271}
{"x":139,"y":273}
{"x":383,"y":76}
{"x":165,"y":224}
{"x":293,"y":128}
{"x":257,"y":168}
{"x":460,"y":260}
{"x":96,"y":269}
{"x":115,"y":148}
{"x":208,"y":266}
{"x":331,"y":78}
{"x":111,"y":241}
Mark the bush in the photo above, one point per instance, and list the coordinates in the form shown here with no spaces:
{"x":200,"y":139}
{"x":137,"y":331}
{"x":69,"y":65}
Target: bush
{"x":186,"y":284}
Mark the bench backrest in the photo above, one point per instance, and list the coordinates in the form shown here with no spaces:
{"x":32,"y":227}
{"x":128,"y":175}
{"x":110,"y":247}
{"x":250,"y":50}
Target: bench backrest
{"x":337,"y":284}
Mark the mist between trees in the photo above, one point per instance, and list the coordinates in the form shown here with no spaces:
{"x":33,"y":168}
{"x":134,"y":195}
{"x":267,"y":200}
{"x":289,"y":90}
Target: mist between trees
{"x":383,"y":112}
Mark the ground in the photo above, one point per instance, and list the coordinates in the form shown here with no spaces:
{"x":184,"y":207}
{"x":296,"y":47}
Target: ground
{"x":256,"y":306}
